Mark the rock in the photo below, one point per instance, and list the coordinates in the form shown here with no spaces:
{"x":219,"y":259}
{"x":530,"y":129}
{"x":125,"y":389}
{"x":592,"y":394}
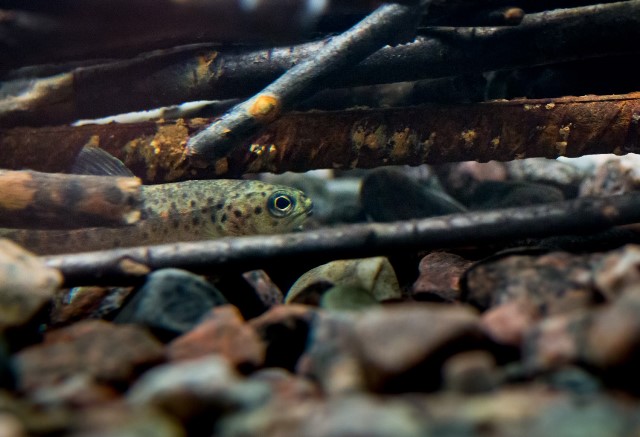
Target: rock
{"x":331,"y":357}
{"x":286,"y":386}
{"x":223,"y":331}
{"x":562,"y":175}
{"x":618,"y":271}
{"x":391,"y":349}
{"x":197,"y":391}
{"x":493,"y":195}
{"x":470,"y":372}
{"x":105,"y":352}
{"x":10,"y":426}
{"x":439,"y":279}
{"x":507,"y":323}
{"x":89,"y":303}
{"x":388,"y":195}
{"x":78,"y":391}
{"x":347,"y":298}
{"x":611,"y":177}
{"x":268,"y":292}
{"x":402,"y":347}
{"x":459,"y":179}
{"x":26,"y":286}
{"x":284,"y":330}
{"x":119,"y":420}
{"x":344,"y":416}
{"x":374,"y":275}
{"x":556,"y":282}
{"x":555,"y":341}
{"x":171,"y":302}
{"x":33,"y":420}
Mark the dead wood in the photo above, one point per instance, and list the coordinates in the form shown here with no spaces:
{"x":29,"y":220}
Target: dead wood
{"x":35,"y":200}
{"x":207,"y":73}
{"x":500,"y":130}
{"x":573,"y":217}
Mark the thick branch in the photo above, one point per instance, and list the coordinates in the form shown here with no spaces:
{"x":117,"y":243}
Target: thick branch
{"x":203,"y":73}
{"x":58,"y":201}
{"x":501,"y":130}
{"x":584,"y":215}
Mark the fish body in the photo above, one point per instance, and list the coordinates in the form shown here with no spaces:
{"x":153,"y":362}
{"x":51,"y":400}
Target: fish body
{"x":184,"y":211}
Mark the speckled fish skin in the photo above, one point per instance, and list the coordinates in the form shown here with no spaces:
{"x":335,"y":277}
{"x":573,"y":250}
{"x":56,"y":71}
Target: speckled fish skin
{"x":184,"y":211}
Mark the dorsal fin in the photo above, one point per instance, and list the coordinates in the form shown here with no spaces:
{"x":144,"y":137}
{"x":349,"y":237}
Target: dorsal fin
{"x":96,"y":161}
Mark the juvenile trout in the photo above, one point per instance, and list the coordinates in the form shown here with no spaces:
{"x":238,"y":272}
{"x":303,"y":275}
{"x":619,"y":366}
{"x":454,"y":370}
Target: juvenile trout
{"x":184,"y":211}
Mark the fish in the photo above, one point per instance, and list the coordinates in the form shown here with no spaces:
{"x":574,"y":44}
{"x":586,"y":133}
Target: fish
{"x":183,"y":211}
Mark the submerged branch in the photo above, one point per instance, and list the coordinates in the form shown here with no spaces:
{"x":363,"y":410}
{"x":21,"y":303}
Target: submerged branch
{"x":578,"y":216}
{"x":434,"y":134}
{"x":230,"y":131}
{"x":35,"y":200}
{"x":205,"y":73}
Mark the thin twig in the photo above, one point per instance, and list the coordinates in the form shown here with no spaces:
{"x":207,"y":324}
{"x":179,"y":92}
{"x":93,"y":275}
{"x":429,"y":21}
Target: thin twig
{"x":233,"y":128}
{"x":578,"y":216}
{"x":205,"y":73}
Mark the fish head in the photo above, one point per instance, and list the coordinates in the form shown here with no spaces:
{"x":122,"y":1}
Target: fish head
{"x":286,"y":209}
{"x":256,"y":207}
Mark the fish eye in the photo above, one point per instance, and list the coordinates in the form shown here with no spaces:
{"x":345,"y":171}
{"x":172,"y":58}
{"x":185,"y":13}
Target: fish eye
{"x":280,"y":204}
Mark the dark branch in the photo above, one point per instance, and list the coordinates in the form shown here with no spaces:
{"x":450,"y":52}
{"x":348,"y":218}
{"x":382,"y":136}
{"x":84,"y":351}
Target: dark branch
{"x":578,"y":216}
{"x":233,"y":128}
{"x":203,"y":73}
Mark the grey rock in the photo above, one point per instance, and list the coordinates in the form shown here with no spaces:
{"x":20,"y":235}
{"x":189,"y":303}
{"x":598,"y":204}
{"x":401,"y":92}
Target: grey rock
{"x":171,"y":302}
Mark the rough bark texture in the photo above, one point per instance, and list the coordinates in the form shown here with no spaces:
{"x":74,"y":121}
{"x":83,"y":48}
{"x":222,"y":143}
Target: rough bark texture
{"x":57,"y":201}
{"x":584,"y":215}
{"x":500,"y":130}
{"x":205,"y":72}
{"x":385,"y":26}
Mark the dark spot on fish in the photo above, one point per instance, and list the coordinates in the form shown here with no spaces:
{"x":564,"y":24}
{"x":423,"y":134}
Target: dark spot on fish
{"x":224,"y":218}
{"x":165,"y":231}
{"x":184,"y":196}
{"x":192,"y":203}
{"x":237,"y":213}
{"x":187,"y":226}
{"x":274,"y":222}
{"x":196,"y":221}
{"x":175,"y":223}
{"x":258,"y":210}
{"x":213,"y":217}
{"x":116,"y":242}
{"x":219,"y":205}
{"x":155,"y":201}
{"x":173,"y":205}
{"x":210,"y":201}
{"x":263,"y":194}
{"x":204,"y":210}
{"x":229,"y":207}
{"x":145,"y":235}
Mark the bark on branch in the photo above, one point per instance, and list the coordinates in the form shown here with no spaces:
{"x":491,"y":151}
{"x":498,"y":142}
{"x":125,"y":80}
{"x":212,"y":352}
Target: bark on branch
{"x":500,"y":130}
{"x":205,"y":73}
{"x":578,"y":216}
{"x":35,"y":200}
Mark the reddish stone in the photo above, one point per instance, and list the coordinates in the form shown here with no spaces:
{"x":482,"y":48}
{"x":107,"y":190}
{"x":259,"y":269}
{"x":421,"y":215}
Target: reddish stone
{"x":439,"y":279}
{"x":507,"y":323}
{"x":224,"y":332}
{"x":108,"y":353}
{"x":284,"y":330}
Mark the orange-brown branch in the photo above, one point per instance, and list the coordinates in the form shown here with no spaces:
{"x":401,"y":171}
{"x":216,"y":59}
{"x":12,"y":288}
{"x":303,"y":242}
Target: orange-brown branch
{"x":500,"y":130}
